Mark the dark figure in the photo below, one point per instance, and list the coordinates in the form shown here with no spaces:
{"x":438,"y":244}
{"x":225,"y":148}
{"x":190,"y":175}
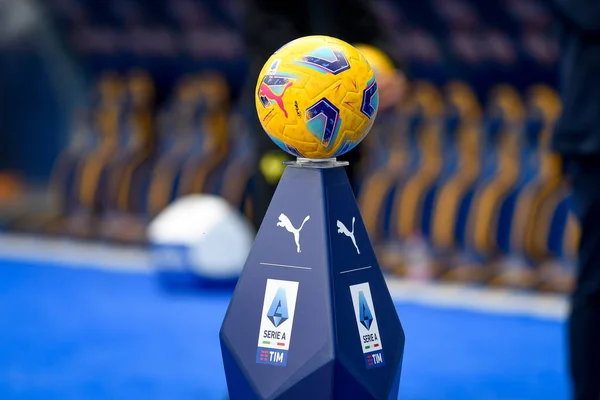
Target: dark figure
{"x":269,"y":24}
{"x":577,"y":138}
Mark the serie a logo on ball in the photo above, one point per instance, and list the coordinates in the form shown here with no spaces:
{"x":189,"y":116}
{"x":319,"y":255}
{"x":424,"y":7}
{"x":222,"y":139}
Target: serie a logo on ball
{"x":317,"y":97}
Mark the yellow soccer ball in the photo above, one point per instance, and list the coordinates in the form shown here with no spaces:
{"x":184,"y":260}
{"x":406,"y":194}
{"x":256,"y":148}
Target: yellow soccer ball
{"x":379,"y":61}
{"x":317,"y":97}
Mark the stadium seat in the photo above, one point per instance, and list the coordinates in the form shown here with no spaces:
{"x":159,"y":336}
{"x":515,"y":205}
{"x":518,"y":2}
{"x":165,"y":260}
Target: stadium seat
{"x":542,"y":198}
{"x":389,"y":152}
{"x":90,"y":174}
{"x":63,"y":184}
{"x":236,"y":177}
{"x":402,"y":214}
{"x":134,"y":178}
{"x":452,"y":202}
{"x":201,"y":173}
{"x":493,"y":200}
{"x":128,"y":173}
{"x":556,"y":271}
{"x":374,"y":150}
{"x":392,"y":131}
{"x":407,"y":208}
{"x":558,"y":274}
{"x":179,"y":141}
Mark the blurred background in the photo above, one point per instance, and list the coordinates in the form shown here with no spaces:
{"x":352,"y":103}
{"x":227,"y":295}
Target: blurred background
{"x":110,"y":111}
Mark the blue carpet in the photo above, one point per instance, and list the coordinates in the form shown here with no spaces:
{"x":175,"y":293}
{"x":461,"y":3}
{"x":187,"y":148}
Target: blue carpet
{"x":88,"y":334}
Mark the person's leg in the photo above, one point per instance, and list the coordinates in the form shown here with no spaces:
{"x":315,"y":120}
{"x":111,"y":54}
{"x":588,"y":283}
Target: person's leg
{"x":584,"y":320}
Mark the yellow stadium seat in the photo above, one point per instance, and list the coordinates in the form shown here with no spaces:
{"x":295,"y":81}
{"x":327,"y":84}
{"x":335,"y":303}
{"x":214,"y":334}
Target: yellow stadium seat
{"x":453,"y":197}
{"x":406,"y":214}
{"x":539,"y":199}
{"x":491,"y":194}
{"x":393,"y":137}
{"x":196,"y":176}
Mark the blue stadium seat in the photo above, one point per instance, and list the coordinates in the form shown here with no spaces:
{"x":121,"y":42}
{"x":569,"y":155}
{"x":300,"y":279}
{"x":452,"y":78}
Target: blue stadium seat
{"x":397,"y":203}
{"x":91,"y":171}
{"x":179,"y":142}
{"x":375,"y":147}
{"x":452,"y":202}
{"x":540,"y":208}
{"x":406,"y":215}
{"x":63,"y":182}
{"x":504,"y":174}
{"x":201,"y":173}
{"x":558,"y":274}
{"x":390,"y":157}
{"x":135,"y":176}
{"x":237,"y":175}
{"x":127,"y":175}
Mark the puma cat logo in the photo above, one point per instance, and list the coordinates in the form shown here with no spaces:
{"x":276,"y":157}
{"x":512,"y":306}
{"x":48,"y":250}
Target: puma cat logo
{"x":284,"y":222}
{"x":342,"y":229}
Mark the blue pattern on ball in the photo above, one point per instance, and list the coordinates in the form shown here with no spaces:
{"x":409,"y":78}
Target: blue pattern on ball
{"x":370,"y":101}
{"x":328,"y":116}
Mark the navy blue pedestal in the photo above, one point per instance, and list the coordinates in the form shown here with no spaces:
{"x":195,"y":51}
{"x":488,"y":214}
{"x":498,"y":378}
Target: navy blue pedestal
{"x":311,"y":316}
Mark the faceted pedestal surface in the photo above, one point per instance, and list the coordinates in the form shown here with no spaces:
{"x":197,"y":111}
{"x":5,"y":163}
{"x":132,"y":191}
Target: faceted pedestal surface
{"x":311,"y":316}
